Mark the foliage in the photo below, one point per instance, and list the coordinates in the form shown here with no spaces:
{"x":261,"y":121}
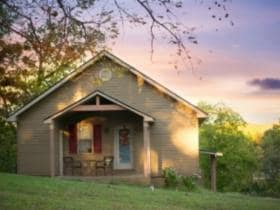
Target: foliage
{"x":7,"y":147}
{"x":189,"y":182}
{"x":171,"y":178}
{"x":271,"y":150}
{"x":13,"y":86}
{"x":256,"y":131}
{"x":271,"y":159}
{"x":221,"y":132}
{"x":262,"y":187}
{"x":256,"y":187}
{"x":27,"y":192}
{"x":174,"y":180}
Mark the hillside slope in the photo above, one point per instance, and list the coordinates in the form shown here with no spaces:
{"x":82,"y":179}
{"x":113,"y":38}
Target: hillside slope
{"x":24,"y":192}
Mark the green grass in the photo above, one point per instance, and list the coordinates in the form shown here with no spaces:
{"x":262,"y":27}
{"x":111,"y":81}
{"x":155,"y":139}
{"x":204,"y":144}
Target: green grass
{"x":25,"y":192}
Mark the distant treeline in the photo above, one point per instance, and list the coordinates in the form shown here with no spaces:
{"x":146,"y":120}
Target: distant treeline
{"x":249,"y":164}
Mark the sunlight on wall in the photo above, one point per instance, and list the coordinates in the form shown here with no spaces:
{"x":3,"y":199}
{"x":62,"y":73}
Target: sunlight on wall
{"x":61,"y":105}
{"x":166,"y":163}
{"x":159,"y":89}
{"x":26,"y":137}
{"x":140,"y":83}
{"x":78,"y":94}
{"x":141,"y":157}
{"x":183,"y":127}
{"x":154,"y":162}
{"x":183,"y":167}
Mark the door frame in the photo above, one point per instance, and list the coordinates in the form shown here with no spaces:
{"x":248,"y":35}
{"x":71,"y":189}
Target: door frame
{"x":117,"y":164}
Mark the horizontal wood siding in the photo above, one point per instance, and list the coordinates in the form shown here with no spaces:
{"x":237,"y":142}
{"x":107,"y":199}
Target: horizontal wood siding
{"x":130,"y":90}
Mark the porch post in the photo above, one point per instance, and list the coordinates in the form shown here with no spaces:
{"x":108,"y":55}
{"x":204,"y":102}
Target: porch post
{"x":51,"y":150}
{"x":61,"y":153}
{"x":147,"y":149}
{"x":213,"y":172}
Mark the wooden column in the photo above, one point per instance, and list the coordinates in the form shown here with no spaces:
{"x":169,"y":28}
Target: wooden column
{"x":61,"y":153}
{"x":147,"y":149}
{"x":213,"y":172}
{"x":51,"y":149}
{"x":213,"y":166}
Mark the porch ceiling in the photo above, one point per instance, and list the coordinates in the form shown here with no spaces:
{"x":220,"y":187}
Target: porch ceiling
{"x":77,"y":105}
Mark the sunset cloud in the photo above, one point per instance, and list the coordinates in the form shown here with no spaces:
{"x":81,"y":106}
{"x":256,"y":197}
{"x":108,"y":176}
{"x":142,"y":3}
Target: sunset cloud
{"x":266,"y":83}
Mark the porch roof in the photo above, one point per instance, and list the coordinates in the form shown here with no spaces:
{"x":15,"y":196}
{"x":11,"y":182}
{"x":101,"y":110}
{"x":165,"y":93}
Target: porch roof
{"x":70,"y":107}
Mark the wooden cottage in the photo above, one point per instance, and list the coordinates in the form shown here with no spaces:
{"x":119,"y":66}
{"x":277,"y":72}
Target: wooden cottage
{"x":107,"y":118}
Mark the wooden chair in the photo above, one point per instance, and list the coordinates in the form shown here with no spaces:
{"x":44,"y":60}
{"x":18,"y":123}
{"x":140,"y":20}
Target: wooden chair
{"x":70,"y":164}
{"x":105,"y":164}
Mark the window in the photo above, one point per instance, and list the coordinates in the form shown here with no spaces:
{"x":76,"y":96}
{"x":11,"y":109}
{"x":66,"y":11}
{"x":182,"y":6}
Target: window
{"x":85,"y":134}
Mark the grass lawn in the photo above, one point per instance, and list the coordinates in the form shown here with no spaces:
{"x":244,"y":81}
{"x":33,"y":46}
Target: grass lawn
{"x":25,"y":192}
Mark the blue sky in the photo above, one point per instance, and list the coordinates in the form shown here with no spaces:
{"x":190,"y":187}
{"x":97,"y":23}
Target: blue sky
{"x":232,"y":58}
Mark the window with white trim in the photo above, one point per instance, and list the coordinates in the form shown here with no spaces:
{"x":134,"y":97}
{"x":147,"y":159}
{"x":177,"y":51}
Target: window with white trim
{"x":85,"y":134}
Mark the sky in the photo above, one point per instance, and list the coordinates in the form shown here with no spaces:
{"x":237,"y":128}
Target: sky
{"x":240,"y":64}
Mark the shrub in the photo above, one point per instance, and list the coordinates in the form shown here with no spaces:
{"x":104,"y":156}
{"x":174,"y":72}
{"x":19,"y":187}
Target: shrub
{"x":257,"y":187}
{"x":263,"y":188}
{"x":189,"y":182}
{"x":171,"y":178}
{"x":271,"y":150}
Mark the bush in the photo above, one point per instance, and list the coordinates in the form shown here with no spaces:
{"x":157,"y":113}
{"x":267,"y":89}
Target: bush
{"x":189,"y":182}
{"x":263,"y":188}
{"x":271,"y":150}
{"x":257,"y":187}
{"x":171,"y":178}
{"x":268,"y":181}
{"x":273,"y":187}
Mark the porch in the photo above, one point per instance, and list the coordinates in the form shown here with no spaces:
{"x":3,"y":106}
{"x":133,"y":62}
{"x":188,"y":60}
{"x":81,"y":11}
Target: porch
{"x":93,"y":129}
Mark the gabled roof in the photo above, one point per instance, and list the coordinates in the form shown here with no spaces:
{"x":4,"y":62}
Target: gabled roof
{"x":104,"y":53}
{"x":99,"y":93}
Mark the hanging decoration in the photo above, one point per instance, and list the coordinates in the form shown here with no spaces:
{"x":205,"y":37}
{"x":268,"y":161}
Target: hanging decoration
{"x":123,"y":136}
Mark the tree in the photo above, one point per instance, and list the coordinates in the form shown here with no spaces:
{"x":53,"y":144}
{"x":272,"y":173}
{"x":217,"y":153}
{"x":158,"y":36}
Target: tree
{"x":271,"y":154}
{"x":8,"y":146}
{"x":222,"y":132}
{"x":13,"y":80}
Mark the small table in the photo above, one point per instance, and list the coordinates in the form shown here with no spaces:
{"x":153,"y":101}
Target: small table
{"x":88,"y":167}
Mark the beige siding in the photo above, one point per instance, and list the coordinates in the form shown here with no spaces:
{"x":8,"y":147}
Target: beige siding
{"x":174,"y":140}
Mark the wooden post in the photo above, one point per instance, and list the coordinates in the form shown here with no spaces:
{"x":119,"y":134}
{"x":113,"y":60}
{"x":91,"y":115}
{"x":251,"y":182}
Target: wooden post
{"x":213,"y":162}
{"x":61,"y":153}
{"x":147,"y":152}
{"x":51,"y":149}
{"x":213,"y":172}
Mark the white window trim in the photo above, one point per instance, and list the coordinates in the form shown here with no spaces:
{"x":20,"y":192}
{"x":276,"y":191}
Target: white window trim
{"x":78,"y":140}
